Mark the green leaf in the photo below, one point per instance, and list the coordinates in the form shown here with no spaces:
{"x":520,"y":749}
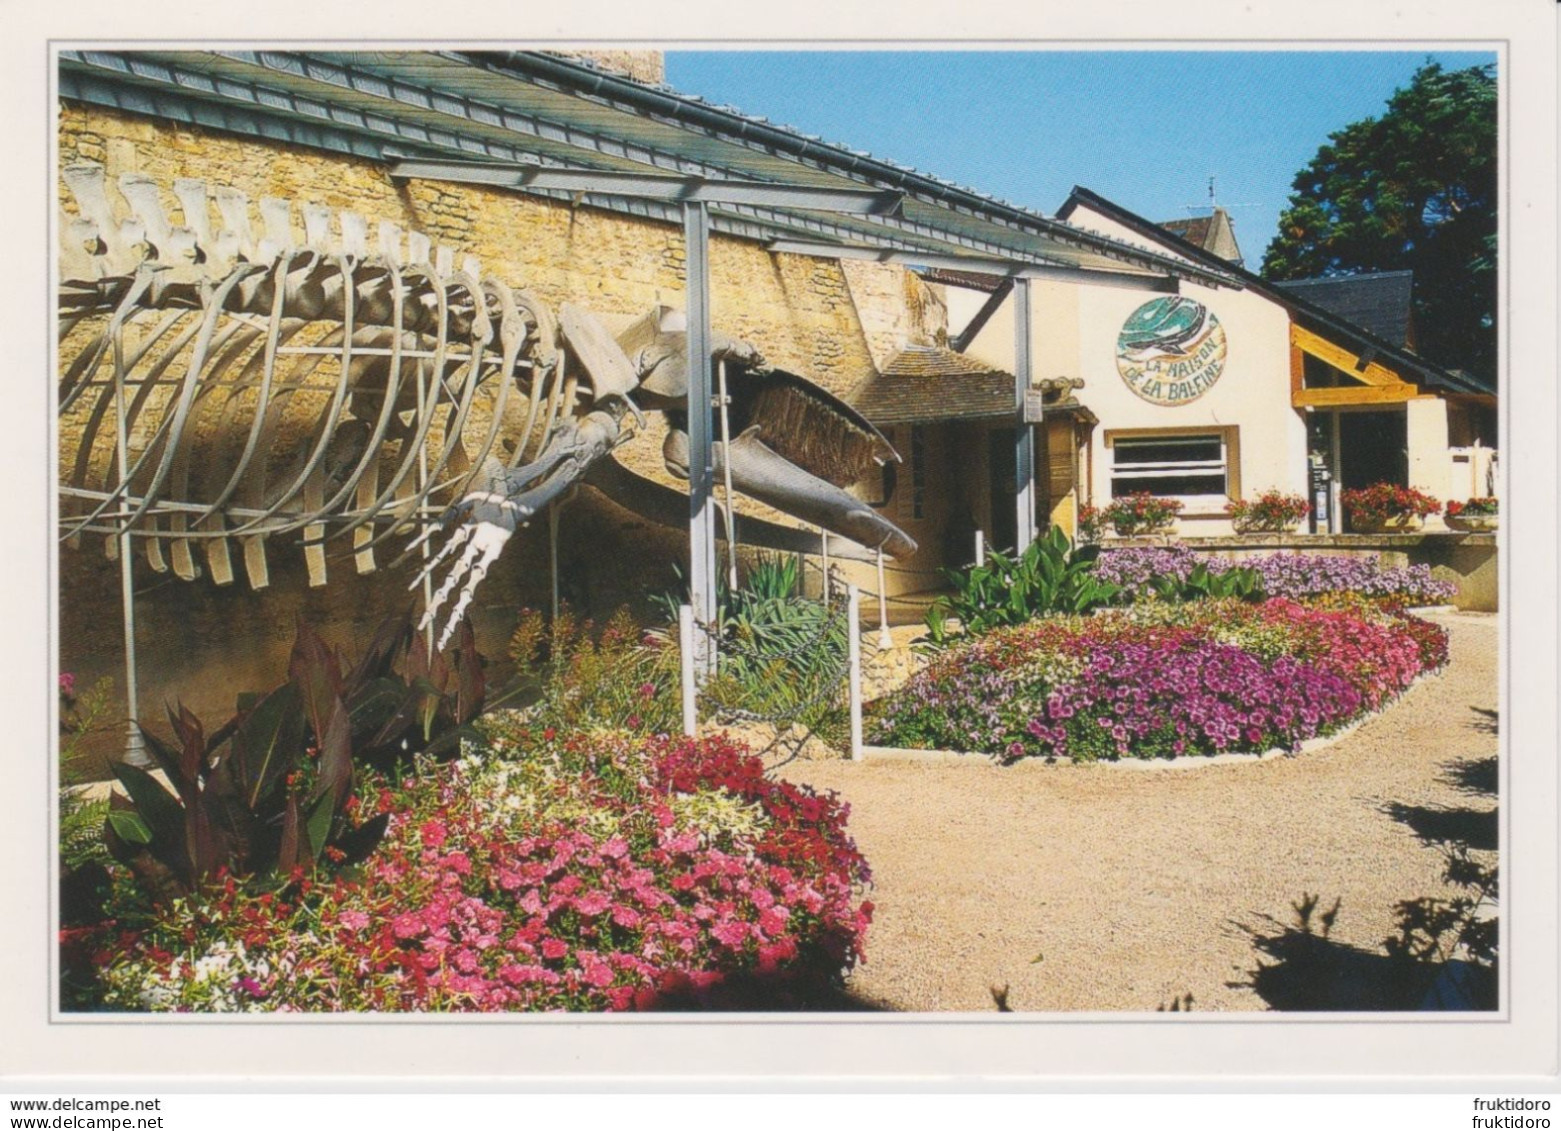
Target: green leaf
{"x":321,"y":813}
{"x":130,"y":827}
{"x":268,"y":743}
{"x":162,"y":813}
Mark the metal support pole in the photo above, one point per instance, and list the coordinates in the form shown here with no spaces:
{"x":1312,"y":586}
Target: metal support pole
{"x":552,"y":551}
{"x":1336,"y":460}
{"x":980,"y":548}
{"x":135,"y":747}
{"x":701,"y":465}
{"x":885,"y":638}
{"x":422,"y":485}
{"x":823,"y":541}
{"x":854,"y":644}
{"x":686,"y":668}
{"x":726,"y":467}
{"x":1024,"y":433}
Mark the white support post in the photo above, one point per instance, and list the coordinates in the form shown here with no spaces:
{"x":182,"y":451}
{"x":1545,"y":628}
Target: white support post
{"x":885,"y":638}
{"x":1024,"y":433}
{"x":135,"y":746}
{"x":823,"y":541}
{"x":980,"y":548}
{"x":686,"y":668}
{"x":701,"y":465}
{"x":854,"y":646}
{"x":726,"y":468}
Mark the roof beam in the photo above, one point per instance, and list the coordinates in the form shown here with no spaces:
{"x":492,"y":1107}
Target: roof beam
{"x":1009,"y":269}
{"x":687,"y":189}
{"x":1358,"y":395}
{"x":994,"y":300}
{"x":1359,"y":366}
{"x":170,"y":76}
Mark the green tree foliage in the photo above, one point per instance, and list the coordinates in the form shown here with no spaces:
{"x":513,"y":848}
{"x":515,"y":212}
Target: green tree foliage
{"x":1416,"y":189}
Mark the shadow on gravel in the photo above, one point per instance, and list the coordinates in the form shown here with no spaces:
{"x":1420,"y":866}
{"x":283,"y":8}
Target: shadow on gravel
{"x":1472,"y":828}
{"x":1309,"y":972}
{"x":1445,"y":954}
{"x":1485,"y":720}
{"x":1473,"y":775}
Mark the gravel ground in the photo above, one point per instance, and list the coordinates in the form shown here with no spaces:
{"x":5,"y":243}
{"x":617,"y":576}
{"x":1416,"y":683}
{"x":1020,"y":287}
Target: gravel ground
{"x":1096,"y":888}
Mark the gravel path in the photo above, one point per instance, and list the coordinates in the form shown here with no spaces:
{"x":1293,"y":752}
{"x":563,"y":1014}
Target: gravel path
{"x":1136,"y":888}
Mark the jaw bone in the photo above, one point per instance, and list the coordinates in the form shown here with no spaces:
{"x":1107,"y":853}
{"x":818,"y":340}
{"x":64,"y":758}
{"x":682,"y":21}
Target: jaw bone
{"x":761,"y":474}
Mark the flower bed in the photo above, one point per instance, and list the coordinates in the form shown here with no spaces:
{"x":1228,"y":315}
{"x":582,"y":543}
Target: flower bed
{"x":1162,"y":680}
{"x":597,"y":872}
{"x":1297,"y":576}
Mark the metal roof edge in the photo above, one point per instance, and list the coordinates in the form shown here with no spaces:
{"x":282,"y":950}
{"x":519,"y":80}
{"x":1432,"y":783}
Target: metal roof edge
{"x":1433,"y":374}
{"x":583,"y":78}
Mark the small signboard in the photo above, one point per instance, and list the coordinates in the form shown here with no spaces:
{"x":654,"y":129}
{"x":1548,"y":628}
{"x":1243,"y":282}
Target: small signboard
{"x":1034,"y":410}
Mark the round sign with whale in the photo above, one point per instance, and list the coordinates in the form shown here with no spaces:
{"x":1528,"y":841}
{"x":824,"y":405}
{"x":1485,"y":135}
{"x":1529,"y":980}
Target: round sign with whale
{"x":1171,"y":350}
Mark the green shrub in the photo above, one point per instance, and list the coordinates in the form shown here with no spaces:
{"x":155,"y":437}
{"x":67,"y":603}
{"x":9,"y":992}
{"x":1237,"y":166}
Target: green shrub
{"x":579,"y":679}
{"x":1048,"y":578}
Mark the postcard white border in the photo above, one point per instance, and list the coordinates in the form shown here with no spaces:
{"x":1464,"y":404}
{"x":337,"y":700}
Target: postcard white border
{"x":1077,"y":1052}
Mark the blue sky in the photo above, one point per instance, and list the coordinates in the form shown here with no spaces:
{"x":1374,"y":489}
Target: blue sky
{"x":1143,"y":128}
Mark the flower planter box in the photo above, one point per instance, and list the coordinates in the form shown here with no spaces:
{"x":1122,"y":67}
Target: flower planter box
{"x":1474,"y":523}
{"x":1399,"y":524}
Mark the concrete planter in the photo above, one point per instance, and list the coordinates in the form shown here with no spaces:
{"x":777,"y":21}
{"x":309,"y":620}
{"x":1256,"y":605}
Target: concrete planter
{"x":1474,"y":523}
{"x":1396,"y":524}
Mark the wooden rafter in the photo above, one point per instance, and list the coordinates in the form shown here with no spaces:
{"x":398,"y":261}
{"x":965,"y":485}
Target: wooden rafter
{"x":1357,"y":395}
{"x":1371,"y":373}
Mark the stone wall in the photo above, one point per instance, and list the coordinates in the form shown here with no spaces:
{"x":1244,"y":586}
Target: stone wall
{"x":204,"y":643}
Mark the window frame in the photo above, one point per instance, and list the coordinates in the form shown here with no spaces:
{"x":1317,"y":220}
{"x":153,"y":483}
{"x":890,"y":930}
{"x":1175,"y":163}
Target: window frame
{"x":1229,"y":463}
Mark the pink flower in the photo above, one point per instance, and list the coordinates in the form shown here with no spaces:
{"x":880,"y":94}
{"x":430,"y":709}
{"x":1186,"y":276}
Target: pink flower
{"x":353,"y":920}
{"x":593,"y":903}
{"x":731,"y":933}
{"x":406,"y":926}
{"x":626,"y":916}
{"x":67,"y":684}
{"x":597,"y":973}
{"x":554,"y":948}
{"x":616,"y":848}
{"x":432,"y":834}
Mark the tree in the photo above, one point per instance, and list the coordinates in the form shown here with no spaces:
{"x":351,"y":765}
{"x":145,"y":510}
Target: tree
{"x":1414,"y":188}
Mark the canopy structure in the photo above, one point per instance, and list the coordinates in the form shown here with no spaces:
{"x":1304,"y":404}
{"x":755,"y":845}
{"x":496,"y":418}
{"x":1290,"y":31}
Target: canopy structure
{"x":564,"y":129}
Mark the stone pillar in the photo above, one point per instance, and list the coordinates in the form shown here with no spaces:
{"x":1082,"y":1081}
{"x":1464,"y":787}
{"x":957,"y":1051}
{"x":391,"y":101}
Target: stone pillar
{"x":1430,"y":465}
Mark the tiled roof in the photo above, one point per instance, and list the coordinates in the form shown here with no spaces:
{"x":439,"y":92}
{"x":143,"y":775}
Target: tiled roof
{"x":1377,"y":302}
{"x":972,"y":280}
{"x":1194,"y":230}
{"x":924,"y":383}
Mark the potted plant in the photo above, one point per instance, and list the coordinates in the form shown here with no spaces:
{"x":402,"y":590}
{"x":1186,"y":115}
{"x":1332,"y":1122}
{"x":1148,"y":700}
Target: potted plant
{"x":1272,"y":512}
{"x":1141,"y":513}
{"x":1480,"y":515}
{"x":1387,"y":508}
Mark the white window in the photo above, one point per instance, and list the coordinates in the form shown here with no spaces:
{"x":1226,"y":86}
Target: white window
{"x":1174,"y":465}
